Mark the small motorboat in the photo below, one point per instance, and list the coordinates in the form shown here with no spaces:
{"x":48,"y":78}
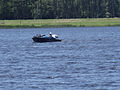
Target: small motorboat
{"x":42,"y":38}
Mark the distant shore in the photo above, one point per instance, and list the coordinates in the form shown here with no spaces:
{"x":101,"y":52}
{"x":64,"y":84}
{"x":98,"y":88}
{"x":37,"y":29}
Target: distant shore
{"x":54,"y":23}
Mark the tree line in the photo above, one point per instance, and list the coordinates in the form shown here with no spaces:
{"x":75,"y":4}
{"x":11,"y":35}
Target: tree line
{"x":53,"y":9}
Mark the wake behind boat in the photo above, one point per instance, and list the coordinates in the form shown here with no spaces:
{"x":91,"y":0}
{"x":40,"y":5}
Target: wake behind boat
{"x":42,"y":38}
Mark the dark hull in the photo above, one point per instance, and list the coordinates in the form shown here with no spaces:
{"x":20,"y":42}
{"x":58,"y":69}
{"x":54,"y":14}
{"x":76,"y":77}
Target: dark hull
{"x":37,"y":39}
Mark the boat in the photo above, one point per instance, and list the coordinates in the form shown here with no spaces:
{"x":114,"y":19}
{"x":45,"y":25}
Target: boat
{"x":42,"y":38}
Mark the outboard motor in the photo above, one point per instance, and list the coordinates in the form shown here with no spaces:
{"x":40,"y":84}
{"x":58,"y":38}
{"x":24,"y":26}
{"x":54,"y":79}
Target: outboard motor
{"x":54,"y":36}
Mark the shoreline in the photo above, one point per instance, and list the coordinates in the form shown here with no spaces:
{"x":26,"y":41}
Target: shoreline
{"x":59,"y":23}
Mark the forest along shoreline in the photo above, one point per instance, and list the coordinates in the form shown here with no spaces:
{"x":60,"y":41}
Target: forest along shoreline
{"x":51,"y":23}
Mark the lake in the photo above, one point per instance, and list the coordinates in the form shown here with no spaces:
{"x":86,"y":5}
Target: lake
{"x":88,"y":58}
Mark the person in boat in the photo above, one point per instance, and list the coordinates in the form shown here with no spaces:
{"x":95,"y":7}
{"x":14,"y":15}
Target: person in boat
{"x":38,"y":35}
{"x":50,"y":34}
{"x":53,"y":35}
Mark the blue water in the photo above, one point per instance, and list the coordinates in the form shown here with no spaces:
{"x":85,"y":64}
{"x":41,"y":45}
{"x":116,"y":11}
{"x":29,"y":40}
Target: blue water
{"x":88,"y":58}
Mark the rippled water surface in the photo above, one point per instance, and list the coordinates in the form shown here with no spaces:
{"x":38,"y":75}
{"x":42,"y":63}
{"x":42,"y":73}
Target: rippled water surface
{"x":87,"y":59}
